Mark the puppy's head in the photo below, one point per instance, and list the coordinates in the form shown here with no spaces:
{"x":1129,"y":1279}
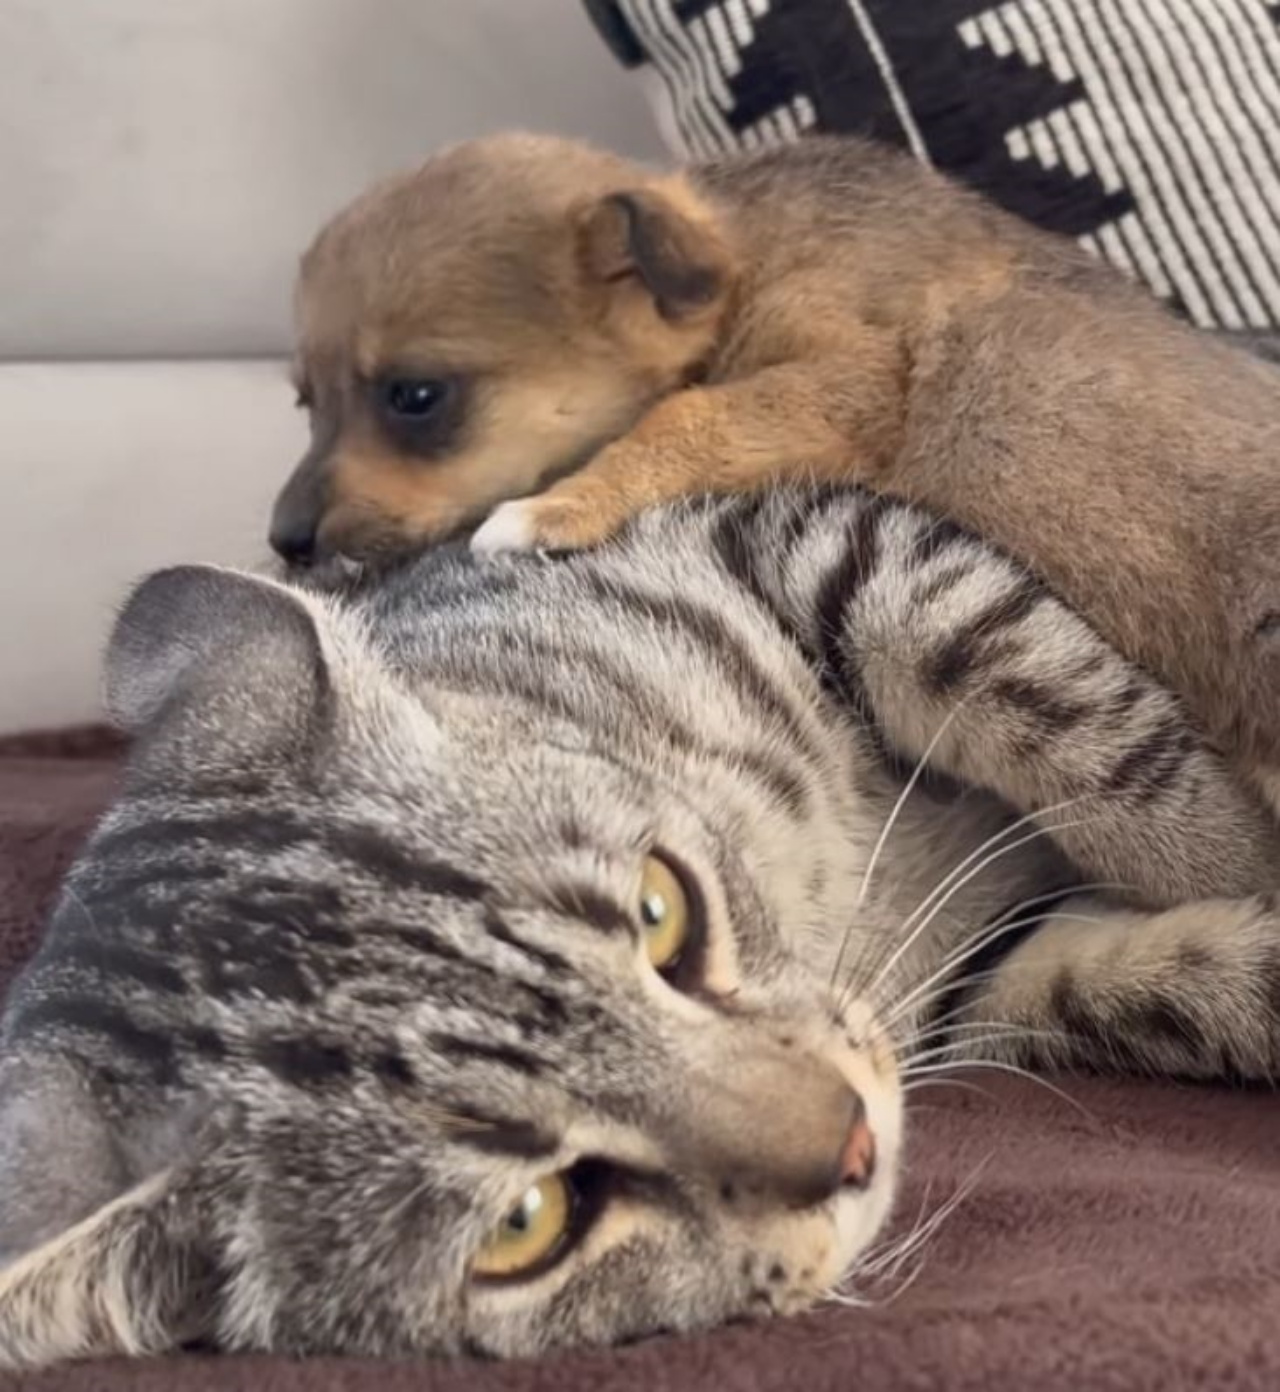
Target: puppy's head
{"x":470,"y":331}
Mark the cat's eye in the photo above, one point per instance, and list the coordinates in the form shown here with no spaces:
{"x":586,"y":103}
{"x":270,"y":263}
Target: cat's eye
{"x":532,"y":1235}
{"x":666,"y":914}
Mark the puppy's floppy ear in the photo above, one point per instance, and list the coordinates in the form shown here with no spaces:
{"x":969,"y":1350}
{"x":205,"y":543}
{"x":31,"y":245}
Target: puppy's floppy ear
{"x":125,"y":1280}
{"x":244,"y":653}
{"x":642,"y":234}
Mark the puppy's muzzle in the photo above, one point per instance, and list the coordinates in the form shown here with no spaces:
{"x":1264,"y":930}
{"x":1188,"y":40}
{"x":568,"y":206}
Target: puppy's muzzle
{"x":298,"y":512}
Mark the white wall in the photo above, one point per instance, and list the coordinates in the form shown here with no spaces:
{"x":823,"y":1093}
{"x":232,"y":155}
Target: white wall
{"x":163,"y":163}
{"x":121,"y":467}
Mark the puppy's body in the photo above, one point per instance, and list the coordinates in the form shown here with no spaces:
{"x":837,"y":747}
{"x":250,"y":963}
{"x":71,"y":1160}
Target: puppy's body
{"x":828,"y":309}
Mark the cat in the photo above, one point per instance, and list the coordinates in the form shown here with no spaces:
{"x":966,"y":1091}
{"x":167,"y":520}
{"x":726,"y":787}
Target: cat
{"x":489,"y":958}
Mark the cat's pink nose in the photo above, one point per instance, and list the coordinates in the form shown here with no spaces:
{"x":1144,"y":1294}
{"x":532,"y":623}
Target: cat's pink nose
{"x":858,"y":1159}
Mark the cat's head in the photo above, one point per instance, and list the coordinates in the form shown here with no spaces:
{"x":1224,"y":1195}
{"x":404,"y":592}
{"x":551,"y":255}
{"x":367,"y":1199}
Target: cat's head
{"x":389,"y":1026}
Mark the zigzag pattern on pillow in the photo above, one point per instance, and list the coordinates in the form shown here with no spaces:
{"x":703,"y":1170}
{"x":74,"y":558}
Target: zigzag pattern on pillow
{"x":1147,"y":129}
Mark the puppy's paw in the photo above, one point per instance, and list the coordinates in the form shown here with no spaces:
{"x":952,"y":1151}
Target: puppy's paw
{"x":543,"y":523}
{"x":507,"y":528}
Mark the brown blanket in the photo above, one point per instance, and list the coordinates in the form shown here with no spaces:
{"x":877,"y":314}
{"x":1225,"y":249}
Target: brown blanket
{"x":1128,"y":1238}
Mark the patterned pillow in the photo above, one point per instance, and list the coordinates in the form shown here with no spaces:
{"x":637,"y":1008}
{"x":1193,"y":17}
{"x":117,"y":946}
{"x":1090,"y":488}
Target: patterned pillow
{"x":1147,"y":129}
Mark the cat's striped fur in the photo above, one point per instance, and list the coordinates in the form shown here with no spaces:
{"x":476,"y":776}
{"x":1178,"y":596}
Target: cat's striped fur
{"x":354,"y":958}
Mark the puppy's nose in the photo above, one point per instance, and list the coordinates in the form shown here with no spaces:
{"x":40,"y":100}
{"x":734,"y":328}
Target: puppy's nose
{"x":299,"y":510}
{"x":858,"y":1158}
{"x":293,"y":540}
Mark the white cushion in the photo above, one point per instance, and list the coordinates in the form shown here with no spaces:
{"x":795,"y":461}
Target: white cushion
{"x":111,"y":470}
{"x":164,"y":161}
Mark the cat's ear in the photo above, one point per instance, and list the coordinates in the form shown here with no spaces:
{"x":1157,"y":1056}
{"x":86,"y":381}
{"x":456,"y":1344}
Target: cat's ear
{"x":124,"y":1280}
{"x":89,"y":1264}
{"x":242,"y":655}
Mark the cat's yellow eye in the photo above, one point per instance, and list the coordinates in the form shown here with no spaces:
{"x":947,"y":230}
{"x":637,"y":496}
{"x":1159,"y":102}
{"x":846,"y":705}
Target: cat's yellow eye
{"x":531,"y":1234}
{"x":664,"y":913}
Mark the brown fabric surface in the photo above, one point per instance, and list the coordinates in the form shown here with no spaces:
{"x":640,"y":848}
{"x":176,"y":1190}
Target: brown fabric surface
{"x":1128,"y":1239}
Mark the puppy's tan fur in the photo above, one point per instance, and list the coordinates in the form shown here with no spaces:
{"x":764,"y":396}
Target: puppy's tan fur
{"x":831,"y":310}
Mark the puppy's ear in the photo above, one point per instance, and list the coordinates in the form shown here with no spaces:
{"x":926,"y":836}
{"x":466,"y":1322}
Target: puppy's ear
{"x":642,"y":235}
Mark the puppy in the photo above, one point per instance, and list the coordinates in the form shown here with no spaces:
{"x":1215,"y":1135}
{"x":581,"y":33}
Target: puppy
{"x":525,"y":315}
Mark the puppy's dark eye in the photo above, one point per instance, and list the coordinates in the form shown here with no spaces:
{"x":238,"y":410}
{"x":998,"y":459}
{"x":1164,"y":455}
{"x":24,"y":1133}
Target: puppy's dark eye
{"x":412,"y":398}
{"x":422,"y":416}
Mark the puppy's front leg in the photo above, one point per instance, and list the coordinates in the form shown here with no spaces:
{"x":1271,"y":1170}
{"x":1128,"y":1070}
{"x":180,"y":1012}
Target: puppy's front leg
{"x":832,"y":419}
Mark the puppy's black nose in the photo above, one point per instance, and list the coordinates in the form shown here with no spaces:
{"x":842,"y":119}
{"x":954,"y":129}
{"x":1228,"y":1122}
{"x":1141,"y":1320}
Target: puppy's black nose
{"x":300,"y":509}
{"x":294,"y":541}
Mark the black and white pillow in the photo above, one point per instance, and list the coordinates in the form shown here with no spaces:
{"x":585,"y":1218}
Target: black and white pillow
{"x":1147,"y":129}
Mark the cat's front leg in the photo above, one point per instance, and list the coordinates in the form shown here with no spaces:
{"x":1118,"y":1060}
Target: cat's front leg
{"x":965,"y":660}
{"x":1189,"y":992}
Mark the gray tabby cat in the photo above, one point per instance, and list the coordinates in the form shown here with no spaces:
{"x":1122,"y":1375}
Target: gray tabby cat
{"x":510,"y":956}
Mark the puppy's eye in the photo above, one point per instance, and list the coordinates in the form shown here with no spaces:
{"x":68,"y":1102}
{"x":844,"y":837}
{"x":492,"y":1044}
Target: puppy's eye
{"x":532,"y":1236}
{"x":666,"y":914}
{"x":412,"y":398}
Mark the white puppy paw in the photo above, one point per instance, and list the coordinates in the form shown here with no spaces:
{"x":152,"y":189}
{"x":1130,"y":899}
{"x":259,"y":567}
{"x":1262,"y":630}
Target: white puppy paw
{"x":509,"y":527}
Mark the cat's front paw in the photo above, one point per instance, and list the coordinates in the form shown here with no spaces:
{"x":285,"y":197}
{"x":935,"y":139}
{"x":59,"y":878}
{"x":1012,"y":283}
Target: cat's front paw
{"x":544,"y":523}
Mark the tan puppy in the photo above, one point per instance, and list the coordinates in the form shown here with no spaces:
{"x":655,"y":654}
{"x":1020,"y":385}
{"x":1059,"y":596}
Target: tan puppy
{"x":474,"y":331}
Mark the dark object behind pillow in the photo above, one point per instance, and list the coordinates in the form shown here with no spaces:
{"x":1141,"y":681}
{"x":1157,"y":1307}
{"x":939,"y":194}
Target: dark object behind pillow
{"x":1146,"y":129}
{"x":1131,"y":1243}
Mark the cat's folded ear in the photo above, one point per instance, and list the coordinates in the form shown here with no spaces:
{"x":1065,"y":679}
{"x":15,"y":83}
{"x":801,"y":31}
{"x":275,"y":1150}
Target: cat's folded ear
{"x":661,"y":241}
{"x":95,"y":1260}
{"x":240,"y":656}
{"x":124,"y":1281}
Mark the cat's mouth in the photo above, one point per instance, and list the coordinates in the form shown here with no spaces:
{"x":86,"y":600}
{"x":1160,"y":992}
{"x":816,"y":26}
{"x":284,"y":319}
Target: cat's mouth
{"x":823,"y":1249}
{"x":869,"y":1065}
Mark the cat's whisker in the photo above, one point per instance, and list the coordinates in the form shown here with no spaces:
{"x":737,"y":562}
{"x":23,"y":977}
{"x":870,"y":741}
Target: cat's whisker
{"x":878,"y":1256}
{"x":905,"y":1285}
{"x":977,"y":944}
{"x":1006,"y":970}
{"x":967,"y":947}
{"x":930,"y":1227}
{"x":998,"y":1066}
{"x":943,"y":886}
{"x":886,"y":1263}
{"x":932,"y":1084}
{"x":999,"y":1033}
{"x":985,"y":863}
{"x":75,"y":899}
{"x":957,"y":880}
{"x":885,"y":831}
{"x":850,"y":1300}
{"x":873,"y":1264}
{"x":891,"y":820}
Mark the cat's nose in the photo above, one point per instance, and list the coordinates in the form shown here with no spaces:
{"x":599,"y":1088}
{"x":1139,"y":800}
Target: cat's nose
{"x":778,"y":1123}
{"x":858,"y":1159}
{"x":844,"y":1159}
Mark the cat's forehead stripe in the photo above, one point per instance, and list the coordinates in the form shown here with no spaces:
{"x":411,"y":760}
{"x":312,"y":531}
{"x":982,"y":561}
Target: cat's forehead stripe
{"x":588,"y":904}
{"x":400,"y":866}
{"x":359,"y":848}
{"x":499,"y":929}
